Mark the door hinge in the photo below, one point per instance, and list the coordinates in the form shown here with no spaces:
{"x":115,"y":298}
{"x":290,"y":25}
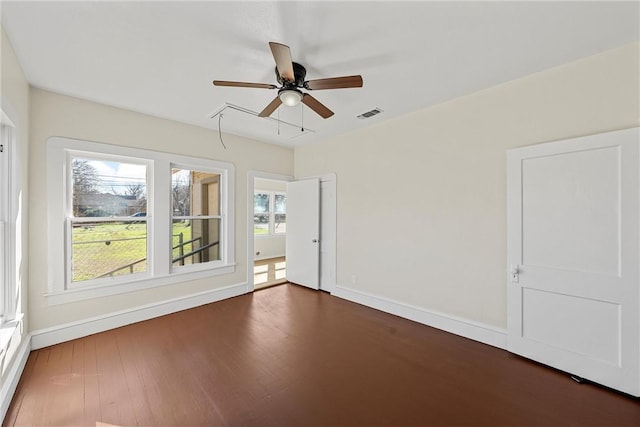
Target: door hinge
{"x":1,"y":148}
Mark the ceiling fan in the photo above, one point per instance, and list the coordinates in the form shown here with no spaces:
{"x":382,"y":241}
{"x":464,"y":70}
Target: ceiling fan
{"x":291,"y":77}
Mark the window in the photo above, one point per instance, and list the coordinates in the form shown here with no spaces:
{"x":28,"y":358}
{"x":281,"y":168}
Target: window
{"x":270,"y":213}
{"x":196,"y":221}
{"x":5,"y":132}
{"x":134,"y":219}
{"x":9,"y":292}
{"x":107,"y":231}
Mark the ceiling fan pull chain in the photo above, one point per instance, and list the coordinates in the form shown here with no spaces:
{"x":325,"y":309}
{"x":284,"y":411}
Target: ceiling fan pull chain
{"x":301,"y":118}
{"x":278,"y":122}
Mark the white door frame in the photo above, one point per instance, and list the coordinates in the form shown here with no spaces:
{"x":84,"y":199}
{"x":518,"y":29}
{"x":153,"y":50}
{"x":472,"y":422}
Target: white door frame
{"x":331,"y":208}
{"x":329,"y":228}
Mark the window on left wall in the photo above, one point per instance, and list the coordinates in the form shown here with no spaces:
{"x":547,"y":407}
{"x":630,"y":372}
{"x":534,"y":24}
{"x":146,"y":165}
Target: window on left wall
{"x":132,"y":216}
{"x":7,"y":225}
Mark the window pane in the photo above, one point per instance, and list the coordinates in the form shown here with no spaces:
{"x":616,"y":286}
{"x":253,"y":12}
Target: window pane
{"x":261,"y":203}
{"x":261,"y":211}
{"x":281,"y":203}
{"x":261,"y":223}
{"x":195,"y":193}
{"x":195,"y":241}
{"x":280,"y":224}
{"x":106,"y":188}
{"x":108,"y":248}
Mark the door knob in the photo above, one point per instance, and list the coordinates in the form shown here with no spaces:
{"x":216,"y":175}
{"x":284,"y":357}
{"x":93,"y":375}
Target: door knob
{"x":315,"y":241}
{"x":515,"y":273}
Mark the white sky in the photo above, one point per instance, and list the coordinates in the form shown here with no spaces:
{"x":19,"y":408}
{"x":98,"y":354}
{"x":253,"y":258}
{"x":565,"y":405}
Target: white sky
{"x":118,"y":176}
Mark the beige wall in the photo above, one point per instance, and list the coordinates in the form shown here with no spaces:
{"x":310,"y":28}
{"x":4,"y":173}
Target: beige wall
{"x":14,"y":92}
{"x":57,"y":115}
{"x":421,"y":199}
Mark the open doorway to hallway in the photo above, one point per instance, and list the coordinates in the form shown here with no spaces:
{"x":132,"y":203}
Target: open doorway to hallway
{"x":269,"y":232}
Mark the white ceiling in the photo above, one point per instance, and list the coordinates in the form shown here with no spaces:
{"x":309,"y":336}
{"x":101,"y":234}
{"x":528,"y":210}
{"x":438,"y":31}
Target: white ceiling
{"x":160,"y":58}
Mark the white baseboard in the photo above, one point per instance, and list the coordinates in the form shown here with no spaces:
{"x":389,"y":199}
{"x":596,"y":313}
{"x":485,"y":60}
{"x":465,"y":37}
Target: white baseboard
{"x":13,"y":376}
{"x":476,"y":331}
{"x":69,"y":331}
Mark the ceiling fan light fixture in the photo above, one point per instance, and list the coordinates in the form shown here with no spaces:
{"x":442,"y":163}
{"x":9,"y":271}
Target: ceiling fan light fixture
{"x":290,"y":97}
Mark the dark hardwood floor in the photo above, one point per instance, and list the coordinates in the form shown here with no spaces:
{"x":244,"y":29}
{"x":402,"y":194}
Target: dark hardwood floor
{"x":289,"y":356}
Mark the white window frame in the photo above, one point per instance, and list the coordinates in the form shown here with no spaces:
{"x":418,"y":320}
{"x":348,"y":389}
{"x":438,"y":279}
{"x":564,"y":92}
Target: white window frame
{"x":222,"y":217}
{"x":159,"y":265}
{"x":69,"y":219}
{"x":8,"y":309}
{"x":272,"y":213}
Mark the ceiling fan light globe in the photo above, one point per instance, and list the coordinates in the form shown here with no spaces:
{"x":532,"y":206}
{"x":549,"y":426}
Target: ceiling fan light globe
{"x":290,"y":98}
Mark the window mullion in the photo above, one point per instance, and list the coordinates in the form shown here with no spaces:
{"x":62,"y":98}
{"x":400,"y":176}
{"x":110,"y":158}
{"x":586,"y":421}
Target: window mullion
{"x":160,"y":219}
{"x":272,"y":215}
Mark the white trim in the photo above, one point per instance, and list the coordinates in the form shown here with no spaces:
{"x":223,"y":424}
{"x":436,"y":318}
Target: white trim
{"x":12,"y":378}
{"x":69,"y":331}
{"x":105,"y":289}
{"x":476,"y":331}
{"x":10,"y":191}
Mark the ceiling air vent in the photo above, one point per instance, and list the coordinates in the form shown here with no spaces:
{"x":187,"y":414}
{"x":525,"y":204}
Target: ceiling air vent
{"x":370,"y":113}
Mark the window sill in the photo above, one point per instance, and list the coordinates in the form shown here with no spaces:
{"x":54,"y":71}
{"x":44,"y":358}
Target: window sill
{"x":269,"y":236}
{"x":80,"y":294}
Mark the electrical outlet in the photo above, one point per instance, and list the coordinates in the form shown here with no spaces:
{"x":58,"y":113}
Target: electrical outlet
{"x":354,"y":278}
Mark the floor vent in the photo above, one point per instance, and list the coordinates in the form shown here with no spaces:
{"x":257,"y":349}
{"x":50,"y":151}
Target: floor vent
{"x":370,"y":113}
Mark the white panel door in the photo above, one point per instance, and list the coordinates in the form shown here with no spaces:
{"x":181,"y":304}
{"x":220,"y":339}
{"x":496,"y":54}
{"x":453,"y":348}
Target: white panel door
{"x":573,"y":256}
{"x":303,"y":232}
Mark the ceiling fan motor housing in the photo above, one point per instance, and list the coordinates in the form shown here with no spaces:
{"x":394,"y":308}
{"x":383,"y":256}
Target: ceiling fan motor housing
{"x":299,"y":73}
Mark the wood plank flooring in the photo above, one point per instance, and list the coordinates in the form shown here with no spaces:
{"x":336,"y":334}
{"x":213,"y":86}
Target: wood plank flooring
{"x":290,"y":356}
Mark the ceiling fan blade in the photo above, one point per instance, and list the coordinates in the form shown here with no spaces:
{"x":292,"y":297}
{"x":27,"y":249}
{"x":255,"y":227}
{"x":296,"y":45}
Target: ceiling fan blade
{"x":282,"y":56}
{"x":334,"y":83}
{"x":269,"y":109}
{"x":316,"y":106}
{"x":244,"y":84}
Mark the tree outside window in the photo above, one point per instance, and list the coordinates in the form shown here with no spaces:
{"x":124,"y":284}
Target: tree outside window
{"x":270,"y":213}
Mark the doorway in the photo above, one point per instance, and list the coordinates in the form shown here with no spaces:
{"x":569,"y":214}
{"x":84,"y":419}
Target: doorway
{"x":267,"y":231}
{"x":256,"y":270}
